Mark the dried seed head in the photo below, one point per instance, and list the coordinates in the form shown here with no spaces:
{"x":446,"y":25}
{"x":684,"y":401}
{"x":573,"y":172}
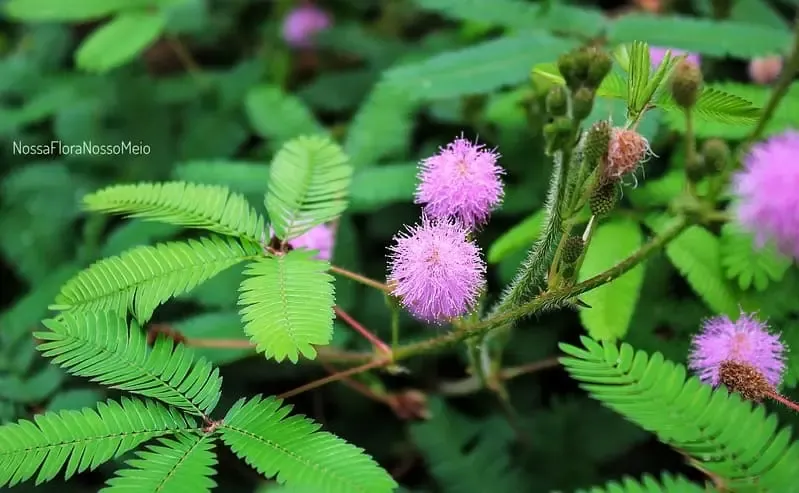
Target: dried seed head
{"x":572,"y":249}
{"x":745,"y":379}
{"x":626,"y":151}
{"x":604,"y":199}
{"x":597,"y":141}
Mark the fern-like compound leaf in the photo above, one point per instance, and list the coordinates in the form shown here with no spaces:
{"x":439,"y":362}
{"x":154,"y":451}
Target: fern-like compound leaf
{"x":81,"y":440}
{"x":144,"y":277}
{"x":723,"y":434}
{"x":101,"y":346}
{"x":308,"y":185}
{"x":183,"y":463}
{"x":292,"y":449}
{"x":750,"y":265}
{"x":287,"y":305}
{"x":648,"y":484}
{"x":210,"y":207}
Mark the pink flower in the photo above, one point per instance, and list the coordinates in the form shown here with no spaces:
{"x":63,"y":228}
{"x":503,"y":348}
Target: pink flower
{"x":765,"y":70}
{"x":319,"y":238}
{"x":657,"y":54}
{"x":767,"y":200}
{"x":436,"y":271}
{"x":745,"y":341}
{"x":461,"y":181}
{"x":302,"y":23}
{"x":627,"y":149}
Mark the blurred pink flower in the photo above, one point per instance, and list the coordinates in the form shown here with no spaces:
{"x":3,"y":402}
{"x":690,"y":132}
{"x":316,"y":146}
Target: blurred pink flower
{"x":301,"y":25}
{"x":657,"y":54}
{"x":765,"y":70}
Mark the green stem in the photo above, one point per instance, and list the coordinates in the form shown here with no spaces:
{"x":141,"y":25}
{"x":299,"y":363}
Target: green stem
{"x":690,"y":148}
{"x":780,"y":88}
{"x":547,"y":300}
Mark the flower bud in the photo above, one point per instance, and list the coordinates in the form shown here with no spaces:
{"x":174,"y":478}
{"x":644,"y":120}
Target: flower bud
{"x":572,"y":249}
{"x":573,"y":66}
{"x":583,"y":103}
{"x":695,"y":168}
{"x":596,"y":143}
{"x":557,"y":101}
{"x":604,"y":199}
{"x":598,"y":68}
{"x":744,"y":379}
{"x":626,"y":151}
{"x":716,"y":153}
{"x":685,"y":83}
{"x":557,"y":133}
{"x":765,"y":70}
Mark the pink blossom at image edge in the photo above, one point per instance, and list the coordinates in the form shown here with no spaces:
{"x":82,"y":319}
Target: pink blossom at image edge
{"x":656,"y":55}
{"x":302,"y":23}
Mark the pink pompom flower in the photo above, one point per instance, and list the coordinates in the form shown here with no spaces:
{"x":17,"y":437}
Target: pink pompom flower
{"x":461,"y":181}
{"x":303,"y":23}
{"x":767,"y":202}
{"x":765,"y":70}
{"x":657,"y":54}
{"x":626,"y":151}
{"x":319,"y":238}
{"x":746,"y":341}
{"x":435,"y":270}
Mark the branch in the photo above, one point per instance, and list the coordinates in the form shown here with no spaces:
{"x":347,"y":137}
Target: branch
{"x":361,"y":279}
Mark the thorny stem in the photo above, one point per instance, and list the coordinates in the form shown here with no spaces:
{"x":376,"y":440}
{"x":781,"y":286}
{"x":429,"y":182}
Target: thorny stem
{"x":361,"y":279}
{"x":376,"y":341}
{"x":472,"y":384}
{"x":777,"y":397}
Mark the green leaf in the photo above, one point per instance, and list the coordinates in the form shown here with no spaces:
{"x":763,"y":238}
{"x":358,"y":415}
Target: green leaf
{"x":638,"y":77}
{"x":705,"y":36}
{"x":180,"y":464}
{"x":612,"y":304}
{"x":696,"y":253}
{"x":785,"y":117}
{"x":208,"y":207}
{"x":32,"y":388}
{"x":81,"y":440}
{"x":515,"y":14}
{"x":290,"y":448}
{"x":308,"y":185}
{"x":613,"y":86}
{"x":714,"y":105}
{"x":120,"y":40}
{"x":287,"y":305}
{"x":374,"y":187}
{"x":101,"y":346}
{"x":519,"y":237}
{"x":382,"y":126}
{"x":277,"y":115}
{"x":78,"y":10}
{"x":478,"y":69}
{"x":748,"y":264}
{"x":143,"y":278}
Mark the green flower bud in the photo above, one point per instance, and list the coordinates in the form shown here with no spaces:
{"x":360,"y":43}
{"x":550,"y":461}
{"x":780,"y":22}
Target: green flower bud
{"x":558,"y":133}
{"x":717,"y":154}
{"x":583,"y":103}
{"x":599,"y":67}
{"x":695,"y":169}
{"x":557,"y":101}
{"x":604,"y":199}
{"x":596,"y":143}
{"x":685,"y":84}
{"x":566,"y":67}
{"x":572,"y":249}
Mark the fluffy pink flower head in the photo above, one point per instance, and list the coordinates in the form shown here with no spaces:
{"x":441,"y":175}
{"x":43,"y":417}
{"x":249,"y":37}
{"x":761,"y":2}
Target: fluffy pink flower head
{"x":319,"y":238}
{"x":765,"y":70}
{"x":745,"y":341}
{"x":461,"y":181}
{"x":436,"y":271}
{"x":767,"y":202}
{"x":657,"y":54}
{"x":627,"y":149}
{"x":302,"y":23}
